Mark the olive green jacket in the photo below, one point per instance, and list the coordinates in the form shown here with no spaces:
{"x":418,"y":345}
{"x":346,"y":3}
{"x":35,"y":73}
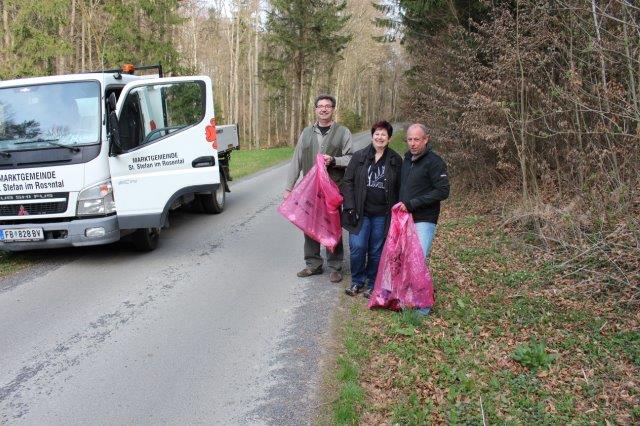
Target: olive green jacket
{"x":336,"y":143}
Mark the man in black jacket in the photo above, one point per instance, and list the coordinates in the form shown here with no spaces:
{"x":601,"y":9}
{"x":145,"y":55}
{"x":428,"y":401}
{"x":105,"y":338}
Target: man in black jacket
{"x":423,"y":184}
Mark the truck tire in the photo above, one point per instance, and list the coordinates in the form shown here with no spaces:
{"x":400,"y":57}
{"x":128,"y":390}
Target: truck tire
{"x":146,"y":239}
{"x":214,"y":203}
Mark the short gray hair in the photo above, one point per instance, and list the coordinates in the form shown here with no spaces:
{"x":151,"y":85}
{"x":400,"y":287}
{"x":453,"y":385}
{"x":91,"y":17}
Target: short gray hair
{"x":422,"y":127}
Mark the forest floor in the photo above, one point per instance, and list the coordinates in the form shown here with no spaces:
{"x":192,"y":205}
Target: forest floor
{"x":510,"y":340}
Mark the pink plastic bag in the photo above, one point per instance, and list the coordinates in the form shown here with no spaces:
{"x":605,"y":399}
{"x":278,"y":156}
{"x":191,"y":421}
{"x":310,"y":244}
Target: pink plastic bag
{"x":403,"y":280}
{"x":313,"y":206}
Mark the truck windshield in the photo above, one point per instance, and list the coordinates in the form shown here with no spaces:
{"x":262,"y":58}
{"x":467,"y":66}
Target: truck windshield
{"x":33,"y":116}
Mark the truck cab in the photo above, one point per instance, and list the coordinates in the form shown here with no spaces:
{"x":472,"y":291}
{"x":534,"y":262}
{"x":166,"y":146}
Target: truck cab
{"x":88,"y":158}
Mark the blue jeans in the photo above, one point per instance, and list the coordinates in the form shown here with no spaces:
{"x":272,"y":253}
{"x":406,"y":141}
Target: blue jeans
{"x":426,"y":231}
{"x":365,"y":248}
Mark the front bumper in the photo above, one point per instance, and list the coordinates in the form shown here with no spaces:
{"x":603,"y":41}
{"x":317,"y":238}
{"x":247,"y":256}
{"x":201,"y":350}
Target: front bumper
{"x":66,"y":234}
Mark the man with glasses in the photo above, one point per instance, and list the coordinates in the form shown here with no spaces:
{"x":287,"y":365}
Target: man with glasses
{"x":333,"y":140}
{"x":423,"y":184}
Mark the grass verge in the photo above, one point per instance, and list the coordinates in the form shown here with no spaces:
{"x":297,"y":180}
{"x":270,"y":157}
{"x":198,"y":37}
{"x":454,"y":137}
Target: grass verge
{"x":246,"y":162}
{"x":13,"y":262}
{"x":503,"y":345}
{"x":351,"y":397}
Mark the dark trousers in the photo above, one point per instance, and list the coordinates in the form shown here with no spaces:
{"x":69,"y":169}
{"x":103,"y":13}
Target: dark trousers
{"x":313,"y":259}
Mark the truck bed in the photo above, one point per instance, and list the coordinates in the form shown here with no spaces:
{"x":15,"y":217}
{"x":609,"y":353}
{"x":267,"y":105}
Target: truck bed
{"x":227,"y":138}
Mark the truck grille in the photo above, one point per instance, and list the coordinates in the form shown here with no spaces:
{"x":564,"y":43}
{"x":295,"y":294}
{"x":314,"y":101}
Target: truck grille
{"x":33,"y":209}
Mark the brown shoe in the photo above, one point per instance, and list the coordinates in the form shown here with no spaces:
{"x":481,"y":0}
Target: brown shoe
{"x":307,"y":272}
{"x":335,"y":277}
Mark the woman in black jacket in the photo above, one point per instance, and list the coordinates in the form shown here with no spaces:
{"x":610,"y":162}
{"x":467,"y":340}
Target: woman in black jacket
{"x":370,"y":188}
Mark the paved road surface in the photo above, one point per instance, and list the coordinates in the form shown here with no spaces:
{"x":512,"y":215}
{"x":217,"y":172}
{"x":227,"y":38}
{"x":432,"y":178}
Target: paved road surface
{"x":213,"y":327}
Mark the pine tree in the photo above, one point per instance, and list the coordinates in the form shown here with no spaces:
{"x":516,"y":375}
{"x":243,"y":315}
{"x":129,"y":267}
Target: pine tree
{"x":303,"y":38}
{"x":417,"y":20}
{"x":35,"y":32}
{"x":140,"y":32}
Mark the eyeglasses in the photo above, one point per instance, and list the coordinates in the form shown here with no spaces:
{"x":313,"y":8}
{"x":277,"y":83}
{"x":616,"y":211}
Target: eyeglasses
{"x":415,"y":139}
{"x":324,"y":106}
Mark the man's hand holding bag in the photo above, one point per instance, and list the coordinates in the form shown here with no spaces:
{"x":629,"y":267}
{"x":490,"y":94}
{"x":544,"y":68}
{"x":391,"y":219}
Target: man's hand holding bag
{"x":314,"y":206}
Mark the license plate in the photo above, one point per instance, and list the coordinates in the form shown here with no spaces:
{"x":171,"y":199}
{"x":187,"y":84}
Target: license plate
{"x":22,"y":234}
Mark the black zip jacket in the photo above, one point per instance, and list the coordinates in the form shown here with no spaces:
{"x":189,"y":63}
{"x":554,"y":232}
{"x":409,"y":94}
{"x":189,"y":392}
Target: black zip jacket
{"x":354,"y":187}
{"x":424,"y":183}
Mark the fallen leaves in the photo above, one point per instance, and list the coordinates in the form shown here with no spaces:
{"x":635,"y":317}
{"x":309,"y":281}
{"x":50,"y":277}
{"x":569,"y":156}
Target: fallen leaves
{"x":463,"y":350}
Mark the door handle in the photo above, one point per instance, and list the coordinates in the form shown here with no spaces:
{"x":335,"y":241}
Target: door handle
{"x":206,"y":161}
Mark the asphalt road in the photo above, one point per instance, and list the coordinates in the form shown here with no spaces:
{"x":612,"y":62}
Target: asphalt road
{"x":213,"y":327}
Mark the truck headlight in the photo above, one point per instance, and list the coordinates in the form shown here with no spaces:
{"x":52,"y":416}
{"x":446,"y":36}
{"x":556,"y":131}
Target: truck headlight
{"x":96,"y":200}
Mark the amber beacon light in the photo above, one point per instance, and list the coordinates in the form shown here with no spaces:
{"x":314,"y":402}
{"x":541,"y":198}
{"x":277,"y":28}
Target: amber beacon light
{"x":128,"y":69}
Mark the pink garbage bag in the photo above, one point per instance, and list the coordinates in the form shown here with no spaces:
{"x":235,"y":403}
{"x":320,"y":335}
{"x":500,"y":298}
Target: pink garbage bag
{"x":403,"y":280}
{"x":314,"y":204}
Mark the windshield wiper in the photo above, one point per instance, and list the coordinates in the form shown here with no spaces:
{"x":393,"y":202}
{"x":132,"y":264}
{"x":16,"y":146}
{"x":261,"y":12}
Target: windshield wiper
{"x":53,"y":142}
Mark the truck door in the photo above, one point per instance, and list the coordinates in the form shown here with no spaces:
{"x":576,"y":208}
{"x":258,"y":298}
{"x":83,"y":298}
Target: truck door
{"x":164,"y":152}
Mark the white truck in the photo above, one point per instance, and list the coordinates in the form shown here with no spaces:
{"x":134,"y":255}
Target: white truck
{"x":88,"y":158}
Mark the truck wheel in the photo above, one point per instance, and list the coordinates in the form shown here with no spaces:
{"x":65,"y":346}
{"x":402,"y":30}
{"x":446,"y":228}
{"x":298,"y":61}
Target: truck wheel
{"x":214,"y":203}
{"x":146,"y":239}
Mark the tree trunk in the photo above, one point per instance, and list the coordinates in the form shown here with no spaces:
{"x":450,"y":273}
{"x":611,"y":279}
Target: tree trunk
{"x":629,"y":59}
{"x":83,"y":41}
{"x":293,"y":117}
{"x":276,"y":120}
{"x":256,"y":52}
{"x":244,"y":128}
{"x":603,"y":71}
{"x":72,"y":36}
{"x":269,"y":123}
{"x":89,"y":43}
{"x":521,"y":100}
{"x":236,"y":93}
{"x":5,"y":27}
{"x":194,"y":39}
{"x":61,"y":62}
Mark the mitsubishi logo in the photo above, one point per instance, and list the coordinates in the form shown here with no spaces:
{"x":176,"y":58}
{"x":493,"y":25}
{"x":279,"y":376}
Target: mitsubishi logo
{"x":22,"y":211}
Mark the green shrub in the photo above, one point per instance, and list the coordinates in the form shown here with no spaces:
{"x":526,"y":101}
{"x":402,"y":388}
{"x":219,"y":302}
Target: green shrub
{"x":533,"y":355}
